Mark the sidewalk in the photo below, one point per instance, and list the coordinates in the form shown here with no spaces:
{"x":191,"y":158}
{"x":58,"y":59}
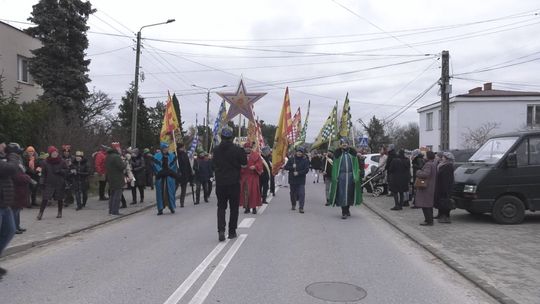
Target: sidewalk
{"x":50,"y":228}
{"x":500,"y":259}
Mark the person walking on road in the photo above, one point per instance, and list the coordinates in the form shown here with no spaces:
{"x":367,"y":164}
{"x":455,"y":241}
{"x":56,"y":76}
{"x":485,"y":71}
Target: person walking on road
{"x":53,"y":181}
{"x":115,"y":167}
{"x":148,"y":168}
{"x":327,"y":174}
{"x":424,"y":197}
{"x":8,"y":169}
{"x":347,"y":174}
{"x":316,"y":165}
{"x":298,"y":167}
{"x":185,"y":171}
{"x":166,"y":176}
{"x":228,"y":161}
{"x":399,"y":171}
{"x":443,"y":189}
{"x":265,"y":177}
{"x":203,"y":177}
{"x":250,"y":190}
{"x":79,"y":171}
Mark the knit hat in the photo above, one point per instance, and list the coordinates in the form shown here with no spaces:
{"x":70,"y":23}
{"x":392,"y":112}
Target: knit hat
{"x":14,"y":148}
{"x":51,"y":149}
{"x":66,"y":148}
{"x":227,"y":133}
{"x":300,"y":149}
{"x":146,"y":151}
{"x":449,"y":156}
{"x":344,"y":140}
{"x":79,"y":153}
{"x":43,"y":155}
{"x":163,"y":145}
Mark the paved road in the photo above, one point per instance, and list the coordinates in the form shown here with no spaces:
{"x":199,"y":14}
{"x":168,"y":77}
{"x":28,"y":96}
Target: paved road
{"x":150,"y":259}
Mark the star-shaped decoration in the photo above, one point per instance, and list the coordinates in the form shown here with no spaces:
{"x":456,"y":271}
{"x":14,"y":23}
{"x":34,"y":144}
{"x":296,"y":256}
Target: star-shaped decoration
{"x":241,"y":102}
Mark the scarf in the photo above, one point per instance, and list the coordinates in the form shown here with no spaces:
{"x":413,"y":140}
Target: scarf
{"x":54,"y":161}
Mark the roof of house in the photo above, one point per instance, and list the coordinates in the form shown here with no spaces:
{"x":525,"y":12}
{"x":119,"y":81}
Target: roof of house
{"x":498,"y":93}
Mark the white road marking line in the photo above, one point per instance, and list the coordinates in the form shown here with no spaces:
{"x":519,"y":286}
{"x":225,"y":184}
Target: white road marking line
{"x":194,"y":276}
{"x":203,"y":293}
{"x":261,"y":209}
{"x":247,"y":222}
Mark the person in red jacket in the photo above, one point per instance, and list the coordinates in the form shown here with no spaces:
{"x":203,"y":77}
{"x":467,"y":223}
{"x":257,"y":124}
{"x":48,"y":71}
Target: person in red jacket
{"x":250,"y":191}
{"x":99,"y":167}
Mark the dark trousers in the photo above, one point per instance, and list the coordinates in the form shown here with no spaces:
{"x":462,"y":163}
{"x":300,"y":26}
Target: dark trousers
{"x":398,"y":199}
{"x":44,"y":205}
{"x":428,"y":214}
{"x":444,"y":212}
{"x":228,"y":195}
{"x":81,"y":196}
{"x":69,"y":196}
{"x":17,"y":217}
{"x":183,"y":188}
{"x":7,"y":227}
{"x":345,"y":210}
{"x":272,"y":185}
{"x":134,"y":193}
{"x":123,"y":200}
{"x":114,"y":201}
{"x":102,"y":185}
{"x":206,"y":186}
{"x":298,"y":193}
{"x":33,"y":194}
{"x":264,"y":189}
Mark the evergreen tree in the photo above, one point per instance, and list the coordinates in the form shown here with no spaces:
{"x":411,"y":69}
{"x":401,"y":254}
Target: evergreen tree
{"x":376,"y":134}
{"x":59,"y":66}
{"x":145,"y":136}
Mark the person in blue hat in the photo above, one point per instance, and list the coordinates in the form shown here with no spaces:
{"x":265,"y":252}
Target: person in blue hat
{"x":166,"y":175}
{"x":228,"y":160}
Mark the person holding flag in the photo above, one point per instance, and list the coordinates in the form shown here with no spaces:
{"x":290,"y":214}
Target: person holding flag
{"x":166,"y":176}
{"x":298,"y":167}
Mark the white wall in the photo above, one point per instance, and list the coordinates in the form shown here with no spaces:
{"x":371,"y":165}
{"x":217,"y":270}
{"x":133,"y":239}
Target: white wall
{"x":12,"y":43}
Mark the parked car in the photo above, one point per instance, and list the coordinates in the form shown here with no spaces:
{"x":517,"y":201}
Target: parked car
{"x":371,"y":162}
{"x":501,"y":178}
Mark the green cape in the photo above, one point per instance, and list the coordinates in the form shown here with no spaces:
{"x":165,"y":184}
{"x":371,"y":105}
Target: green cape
{"x":357,"y":177}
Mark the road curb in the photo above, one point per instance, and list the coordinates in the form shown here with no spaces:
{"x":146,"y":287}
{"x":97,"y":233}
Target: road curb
{"x":463,"y":271}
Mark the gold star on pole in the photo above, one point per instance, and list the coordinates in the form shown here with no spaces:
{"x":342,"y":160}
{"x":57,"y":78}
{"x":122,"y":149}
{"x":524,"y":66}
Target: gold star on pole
{"x":241,"y":102}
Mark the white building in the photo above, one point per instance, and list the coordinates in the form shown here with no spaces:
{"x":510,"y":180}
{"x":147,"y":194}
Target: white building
{"x":15,"y":46}
{"x":509,"y":111}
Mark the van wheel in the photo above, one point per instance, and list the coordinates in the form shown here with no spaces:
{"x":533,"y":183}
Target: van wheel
{"x":508,"y":210}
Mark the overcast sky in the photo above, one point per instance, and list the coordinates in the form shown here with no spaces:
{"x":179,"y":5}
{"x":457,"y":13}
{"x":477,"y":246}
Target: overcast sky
{"x":373,"y":49}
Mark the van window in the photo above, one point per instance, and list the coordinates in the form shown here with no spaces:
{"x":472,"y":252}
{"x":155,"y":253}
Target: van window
{"x":522,"y":154}
{"x":534,"y":150}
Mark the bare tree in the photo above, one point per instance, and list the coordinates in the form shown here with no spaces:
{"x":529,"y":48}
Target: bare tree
{"x":474,"y":139}
{"x":96,"y":111}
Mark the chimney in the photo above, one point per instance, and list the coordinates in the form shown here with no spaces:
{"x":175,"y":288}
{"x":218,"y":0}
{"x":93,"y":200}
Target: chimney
{"x":488,"y":86}
{"x":477,"y":89}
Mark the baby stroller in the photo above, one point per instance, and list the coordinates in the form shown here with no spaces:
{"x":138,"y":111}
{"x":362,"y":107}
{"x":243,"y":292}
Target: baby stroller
{"x":374,"y":182}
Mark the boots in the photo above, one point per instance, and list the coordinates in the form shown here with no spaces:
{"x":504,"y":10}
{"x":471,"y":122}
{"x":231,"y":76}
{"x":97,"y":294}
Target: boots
{"x":60,"y":205}
{"x":246,"y":210}
{"x":40,"y":215}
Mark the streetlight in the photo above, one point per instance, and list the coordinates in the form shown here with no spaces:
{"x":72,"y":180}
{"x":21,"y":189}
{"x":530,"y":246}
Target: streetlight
{"x":206,"y":137}
{"x":136,"y":90}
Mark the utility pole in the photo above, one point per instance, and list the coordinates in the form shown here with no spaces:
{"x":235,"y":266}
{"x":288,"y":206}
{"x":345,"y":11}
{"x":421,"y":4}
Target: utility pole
{"x":445,"y":102}
{"x":135,"y":103}
{"x":206,"y":126}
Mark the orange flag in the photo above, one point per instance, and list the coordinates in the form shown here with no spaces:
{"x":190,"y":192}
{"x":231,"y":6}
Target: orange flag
{"x":281,"y":143}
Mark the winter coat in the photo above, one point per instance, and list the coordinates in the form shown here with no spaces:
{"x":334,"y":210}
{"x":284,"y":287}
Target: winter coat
{"x":302,"y":167}
{"x":227,"y":162}
{"x":265,"y":176}
{"x":22,"y":190}
{"x":317,"y":162}
{"x":53,"y":178}
{"x":149,"y":170}
{"x":99,"y":162}
{"x":184,"y":167}
{"x":32,"y":170}
{"x":444,"y":185}
{"x":138,"y":167}
{"x":339,"y":194}
{"x":203,"y":170}
{"x":426,"y":197}
{"x":115,"y":166}
{"x":399,"y":170}
{"x":8,"y":169}
{"x":79,"y":172}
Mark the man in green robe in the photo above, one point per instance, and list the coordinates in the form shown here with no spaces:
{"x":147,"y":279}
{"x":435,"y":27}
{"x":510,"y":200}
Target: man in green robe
{"x":347,"y":174}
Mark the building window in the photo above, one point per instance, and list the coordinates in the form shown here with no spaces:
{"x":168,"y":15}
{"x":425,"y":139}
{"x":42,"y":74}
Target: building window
{"x":533,"y":116}
{"x":429,"y":121}
{"x":23,"y":75}
{"x":440,"y":119}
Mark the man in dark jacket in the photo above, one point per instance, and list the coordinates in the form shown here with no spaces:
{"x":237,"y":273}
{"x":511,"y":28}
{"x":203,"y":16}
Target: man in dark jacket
{"x":138,"y":167}
{"x":298,"y":167}
{"x":79,"y":171}
{"x":115,"y":167}
{"x":317,"y":165}
{"x":399,"y":170}
{"x":327,"y":174}
{"x":227,"y":162}
{"x":265,"y":177}
{"x":203,"y":174}
{"x":8,"y":169}
{"x":185,"y":171}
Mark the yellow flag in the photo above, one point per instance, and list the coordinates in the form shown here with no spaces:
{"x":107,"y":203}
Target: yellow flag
{"x":170,"y":125}
{"x":284,"y":127}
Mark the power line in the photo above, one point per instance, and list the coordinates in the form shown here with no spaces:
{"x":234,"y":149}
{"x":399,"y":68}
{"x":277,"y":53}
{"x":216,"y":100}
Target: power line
{"x":417,"y":98}
{"x":109,"y":51}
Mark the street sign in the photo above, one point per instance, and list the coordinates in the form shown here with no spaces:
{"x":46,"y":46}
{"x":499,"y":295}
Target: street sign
{"x":363,"y":141}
